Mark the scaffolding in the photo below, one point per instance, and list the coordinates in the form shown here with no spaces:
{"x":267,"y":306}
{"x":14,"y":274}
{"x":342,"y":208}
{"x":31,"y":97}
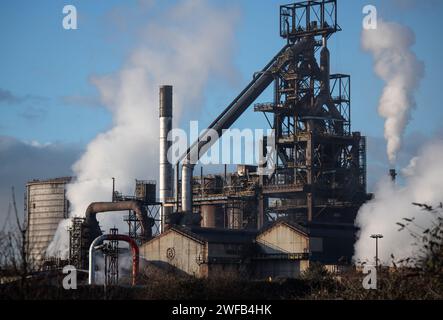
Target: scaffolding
{"x":145,"y":192}
{"x":319,"y":174}
{"x":110,"y":251}
{"x":308,"y":18}
{"x":320,"y":170}
{"x":77,"y":251}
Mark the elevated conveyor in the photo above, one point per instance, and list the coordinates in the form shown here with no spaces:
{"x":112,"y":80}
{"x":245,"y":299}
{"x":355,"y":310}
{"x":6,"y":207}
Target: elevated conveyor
{"x":237,"y":107}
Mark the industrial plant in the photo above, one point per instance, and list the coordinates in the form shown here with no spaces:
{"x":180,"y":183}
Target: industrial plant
{"x":256,"y":225}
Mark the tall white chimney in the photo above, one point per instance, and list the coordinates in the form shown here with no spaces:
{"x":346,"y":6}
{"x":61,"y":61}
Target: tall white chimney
{"x":166,"y":168}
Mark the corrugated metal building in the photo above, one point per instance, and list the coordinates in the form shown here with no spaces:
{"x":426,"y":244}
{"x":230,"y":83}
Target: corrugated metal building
{"x":283,"y":249}
{"x":46,"y":205}
{"x":201,"y":252}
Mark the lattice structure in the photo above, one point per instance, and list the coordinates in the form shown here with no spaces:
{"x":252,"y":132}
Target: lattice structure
{"x":320,"y":164}
{"x":154,"y":212}
{"x":110,"y":251}
{"x":320,"y":172}
{"x":77,"y":251}
{"x":134,"y":224}
{"x":308,"y":18}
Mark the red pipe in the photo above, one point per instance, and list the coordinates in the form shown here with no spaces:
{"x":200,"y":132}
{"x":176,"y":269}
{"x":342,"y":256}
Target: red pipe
{"x":116,"y":237}
{"x":135,"y":253}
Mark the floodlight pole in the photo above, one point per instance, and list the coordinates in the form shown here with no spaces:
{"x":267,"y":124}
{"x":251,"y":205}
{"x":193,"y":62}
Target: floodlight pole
{"x":376,"y":237}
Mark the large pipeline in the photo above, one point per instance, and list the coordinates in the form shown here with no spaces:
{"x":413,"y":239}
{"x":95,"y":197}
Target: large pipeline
{"x":225,"y":120}
{"x":136,"y":206}
{"x":117,"y":237}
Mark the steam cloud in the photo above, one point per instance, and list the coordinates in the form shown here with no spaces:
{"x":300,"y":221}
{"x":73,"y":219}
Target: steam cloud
{"x":392,"y":203}
{"x":395,"y":63}
{"x":184,"y":46}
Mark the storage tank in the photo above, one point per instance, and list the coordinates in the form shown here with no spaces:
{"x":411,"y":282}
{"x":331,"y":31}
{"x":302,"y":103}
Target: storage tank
{"x":212,"y":216}
{"x":46,"y":205}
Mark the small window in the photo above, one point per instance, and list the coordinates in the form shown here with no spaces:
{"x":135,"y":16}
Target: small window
{"x":33,"y":205}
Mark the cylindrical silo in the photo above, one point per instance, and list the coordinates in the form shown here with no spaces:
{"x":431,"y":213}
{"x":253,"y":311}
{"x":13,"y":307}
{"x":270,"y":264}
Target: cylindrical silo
{"x":212,"y":216}
{"x":46,"y":206}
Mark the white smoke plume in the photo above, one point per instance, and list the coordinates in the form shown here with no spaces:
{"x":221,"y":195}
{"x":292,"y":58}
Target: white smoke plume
{"x":184,"y":46}
{"x":397,"y":65}
{"x":392,"y":203}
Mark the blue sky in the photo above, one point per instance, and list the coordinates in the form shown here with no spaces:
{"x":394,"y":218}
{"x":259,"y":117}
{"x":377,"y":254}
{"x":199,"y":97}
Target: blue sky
{"x":47,"y":69}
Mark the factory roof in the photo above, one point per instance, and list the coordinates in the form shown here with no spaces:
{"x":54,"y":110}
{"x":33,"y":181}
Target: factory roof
{"x":213,"y":235}
{"x":224,"y":235}
{"x":53,"y":180}
{"x":311,"y":228}
{"x":292,"y":225}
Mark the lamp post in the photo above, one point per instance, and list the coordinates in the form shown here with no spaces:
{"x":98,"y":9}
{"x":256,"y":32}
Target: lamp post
{"x":376,"y":237}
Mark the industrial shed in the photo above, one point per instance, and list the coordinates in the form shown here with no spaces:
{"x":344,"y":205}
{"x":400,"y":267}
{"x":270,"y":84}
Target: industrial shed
{"x":201,"y":252}
{"x":283,"y":250}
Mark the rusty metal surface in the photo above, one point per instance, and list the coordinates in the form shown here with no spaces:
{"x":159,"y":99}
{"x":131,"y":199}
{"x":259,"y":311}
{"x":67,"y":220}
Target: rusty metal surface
{"x":136,"y":206}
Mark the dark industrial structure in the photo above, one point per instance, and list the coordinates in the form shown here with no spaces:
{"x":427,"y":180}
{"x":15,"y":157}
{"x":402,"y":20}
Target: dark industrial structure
{"x":143,"y":220}
{"x":319,"y":177}
{"x":255,"y":221}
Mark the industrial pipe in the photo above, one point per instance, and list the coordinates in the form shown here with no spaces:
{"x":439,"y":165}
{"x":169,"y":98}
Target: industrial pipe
{"x":166,"y":169}
{"x":187,"y":169}
{"x":117,"y":237}
{"x":136,"y":206}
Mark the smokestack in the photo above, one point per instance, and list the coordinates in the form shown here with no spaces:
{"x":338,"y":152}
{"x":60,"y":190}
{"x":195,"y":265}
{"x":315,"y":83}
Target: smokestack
{"x":187,"y":169}
{"x":166,"y":169}
{"x":393,"y":174}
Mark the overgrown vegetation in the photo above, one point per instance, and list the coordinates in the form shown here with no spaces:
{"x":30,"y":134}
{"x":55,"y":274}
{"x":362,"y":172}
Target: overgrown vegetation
{"x":15,"y":264}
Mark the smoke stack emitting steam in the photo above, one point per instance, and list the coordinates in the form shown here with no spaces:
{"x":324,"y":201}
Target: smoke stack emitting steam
{"x":393,"y":175}
{"x":393,"y":202}
{"x":183,"y":46}
{"x":395,"y":63}
{"x":399,"y":67}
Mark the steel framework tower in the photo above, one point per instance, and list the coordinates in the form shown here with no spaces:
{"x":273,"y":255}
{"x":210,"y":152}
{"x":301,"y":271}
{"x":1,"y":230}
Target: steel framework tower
{"x":320,"y":166}
{"x":77,"y":251}
{"x":111,"y":260}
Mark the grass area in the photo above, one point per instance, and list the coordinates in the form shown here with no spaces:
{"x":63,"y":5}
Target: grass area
{"x":315,"y":284}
